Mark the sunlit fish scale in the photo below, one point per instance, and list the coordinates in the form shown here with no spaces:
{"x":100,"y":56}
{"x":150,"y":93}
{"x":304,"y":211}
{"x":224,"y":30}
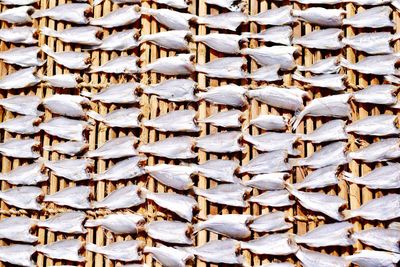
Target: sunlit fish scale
{"x":65,"y":222}
{"x":174,"y":121}
{"x":19,"y":79}
{"x":277,"y":35}
{"x":172,"y":19}
{"x":373,"y":43}
{"x":333,"y":130}
{"x":310,"y":258}
{"x":230,"y":225}
{"x":119,"y":41}
{"x":383,"y":150}
{"x":174,"y":90}
{"x":21,"y":125}
{"x":320,"y":178}
{"x":118,"y":65}
{"x":120,"y":17}
{"x":230,"y":95}
{"x":71,"y":169}
{"x":22,"y":56}
{"x":169,"y":256}
{"x":174,"y":232}
{"x":224,"y":43}
{"x":31,"y":195}
{"x":225,"y":194}
{"x":20,"y":148}
{"x":116,"y":94}
{"x":25,"y":175}
{"x":173,"y":148}
{"x":180,"y":64}
{"x":270,"y":181}
{"x":377,"y":65}
{"x":121,"y":198}
{"x":175,"y":176}
{"x":276,"y":199}
{"x":67,"y":249}
{"x":69,"y":59}
{"x":275,"y":16}
{"x":62,"y":80}
{"x":122,"y":170}
{"x":18,"y":229}
{"x":85,"y":35}
{"x":232,"y":5}
{"x":270,"y":222}
{"x":125,"y":251}
{"x":381,"y":238}
{"x":72,"y":12}
{"x":334,"y":82}
{"x":179,"y":4}
{"x":17,"y":2}
{"x":377,"y":17}
{"x":224,"y":21}
{"x":272,"y":55}
{"x":226,"y":67}
{"x":70,"y":148}
{"x":18,"y":254}
{"x":122,"y":118}
{"x":219,"y":170}
{"x":19,"y":35}
{"x":372,"y":258}
{"x":323,"y":66}
{"x":171,"y":40}
{"x":219,"y":251}
{"x":65,"y":128}
{"x":376,"y":125}
{"x":271,"y":141}
{"x":327,"y":39}
{"x":321,"y":16}
{"x":221,"y":142}
{"x":118,"y":223}
{"x":66,"y":105}
{"x":74,"y":197}
{"x":382,"y":94}
{"x":266,"y":74}
{"x":270,"y":162}
{"x":272,"y":244}
{"x":119,"y":147}
{"x":226,"y":119}
{"x":270,"y":122}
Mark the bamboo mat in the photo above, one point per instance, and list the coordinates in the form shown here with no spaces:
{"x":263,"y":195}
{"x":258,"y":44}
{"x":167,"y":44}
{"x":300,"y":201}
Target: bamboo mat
{"x":152,"y":107}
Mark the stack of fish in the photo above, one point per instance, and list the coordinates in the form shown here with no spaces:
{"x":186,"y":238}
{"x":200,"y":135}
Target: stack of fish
{"x":195,"y":164}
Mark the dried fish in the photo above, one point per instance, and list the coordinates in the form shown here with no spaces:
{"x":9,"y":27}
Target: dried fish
{"x":328,"y":39}
{"x":310,"y":258}
{"x":173,"y":148}
{"x":387,"y":239}
{"x":67,"y":249}
{"x":278,"y":198}
{"x":386,"y":177}
{"x":377,"y":125}
{"x":71,"y":169}
{"x":377,"y":65}
{"x":383,"y":150}
{"x":277,"y":35}
{"x":273,"y":55}
{"x":323,"y":66}
{"x":232,"y":5}
{"x":22,"y":56}
{"x":270,"y":122}
{"x":377,"y":17}
{"x":69,"y":59}
{"x":118,"y":65}
{"x":17,"y":2}
{"x":271,"y":141}
{"x":17,"y":229}
{"x":226,"y":67}
{"x":221,"y":142}
{"x":373,"y":43}
{"x":221,"y":42}
{"x":20,"y":148}
{"x":124,"y":251}
{"x":180,"y":4}
{"x":174,"y":90}
{"x":219,"y":170}
{"x":66,"y":105}
{"x":21,"y":125}
{"x":319,"y":178}
{"x":330,"y":131}
{"x":334,"y":82}
{"x":226,"y":119}
{"x":118,"y":223}
{"x":62,"y":80}
{"x":124,"y":169}
{"x":230,"y":95}
{"x":170,"y":231}
{"x":270,"y":222}
{"x":230,"y":225}
{"x":97,"y":2}
{"x":180,"y":64}
{"x":31,"y":194}
{"x":116,"y":94}
{"x":65,"y":128}
{"x":321,"y":16}
{"x":383,"y":94}
{"x":275,"y":244}
{"x":20,"y":79}
{"x":369,"y":2}
{"x":19,"y":35}
{"x":279,"y":264}
{"x":25,"y":175}
{"x":270,"y":181}
{"x":120,"y":17}
{"x":275,"y":16}
{"x":70,"y":148}
{"x":266,"y":74}
{"x":119,"y":147}
{"x":122,"y":118}
{"x":119,"y":41}
{"x":175,"y":176}
{"x":270,"y":162}
{"x":372,"y":258}
{"x":172,"y":19}
{"x":86,"y":35}
{"x":219,"y":251}
{"x":72,"y":12}
{"x":224,"y":21}
{"x":173,"y":40}
{"x":169,"y":256}
{"x":75,"y":197}
{"x":174,"y":121}
{"x":225,"y":194}
{"x":18,"y":254}
{"x":66,"y":222}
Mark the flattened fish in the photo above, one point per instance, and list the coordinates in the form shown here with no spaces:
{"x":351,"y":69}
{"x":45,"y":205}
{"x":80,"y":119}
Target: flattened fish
{"x":70,"y":148}
{"x":30,"y":174}
{"x":226,"y":119}
{"x":62,"y":80}
{"x":226,"y":67}
{"x":72,"y":12}
{"x":219,"y":251}
{"x":17,"y":15}
{"x":333,"y":130}
{"x":69,"y":59}
{"x":383,"y":150}
{"x":18,"y":229}
{"x":320,"y":178}
{"x":169,"y":256}
{"x":67,"y":249}
{"x":122,"y":118}
{"x":66,"y":105}
{"x":86,"y":35}
{"x":175,"y":176}
{"x":74,"y":197}
{"x":230,"y":95}
{"x":118,"y":65}
{"x":230,"y":225}
{"x":18,"y":254}
{"x":174,"y":121}
{"x":118,"y":223}
{"x":270,"y":181}
{"x":173,"y":147}
{"x":224,"y":21}
{"x":270,"y":222}
{"x":22,"y":56}
{"x":19,"y":35}
{"x":31,"y":194}
{"x":271,"y":141}
{"x":172,"y":19}
{"x":119,"y":41}
{"x":124,"y":169}
{"x":270,"y":162}
{"x":125,"y":251}
{"x":170,"y":231}
{"x":376,"y":17}
{"x":120,"y":17}
{"x":373,"y":43}
{"x":382,"y":94}
{"x":386,"y":177}
{"x":219,"y":170}
{"x":65,"y":222}
{"x":225,"y":194}
{"x":221,"y":42}
{"x":20,"y":148}
{"x":381,"y":238}
{"x":171,"y":40}
{"x":270,"y":122}
{"x":310,"y":258}
{"x":323,"y":66}
{"x":372,"y":258}
{"x":123,"y":93}
{"x":321,"y":16}
{"x":65,"y":128}
{"x":273,"y":55}
{"x":221,"y":142}
{"x":21,"y":125}
{"x":180,"y":64}
{"x":277,"y":35}
{"x":275,"y":16}
{"x":20,"y":79}
{"x":276,"y":199}
{"x":376,"y":125}
{"x":119,"y":147}
{"x":377,"y":65}
{"x":273,"y":244}
{"x":174,"y":90}
{"x":327,"y":39}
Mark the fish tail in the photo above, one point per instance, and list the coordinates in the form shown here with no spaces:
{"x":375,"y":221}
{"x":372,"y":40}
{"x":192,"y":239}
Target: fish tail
{"x":39,"y":13}
{"x":296,"y":119}
{"x":49,"y":32}
{"x":347,"y":176}
{"x":92,"y":223}
{"x":46,"y":49}
{"x":246,"y":51}
{"x":94,"y":115}
{"x":86,"y":93}
{"x":298,"y":76}
{"x":92,"y":247}
{"x":345,"y":63}
{"x":348,"y":214}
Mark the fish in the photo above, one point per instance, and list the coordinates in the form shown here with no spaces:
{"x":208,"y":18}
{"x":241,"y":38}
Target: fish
{"x":272,"y":141}
{"x":124,"y":93}
{"x":118,"y":223}
{"x":278,"y":264}
{"x":229,"y":95}
{"x":272,"y":244}
{"x":226,"y":68}
{"x":221,"y":42}
{"x":122,"y":170}
{"x":319,"y":202}
{"x":21,"y":125}
{"x":74,"y":197}
{"x":336,"y":106}
{"x":69,"y":59}
{"x":179,"y":4}
{"x":61,"y":80}
{"x":175,"y":176}
{"x":275,"y":16}
{"x":377,"y":65}
{"x":97,"y":2}
{"x":115,"y":148}
{"x":333,"y":130}
{"x":70,"y":148}
{"x":171,"y":19}
{"x":394,"y":225}
{"x":218,"y":169}
{"x":20,"y":79}
{"x":380,"y":151}
{"x":120,"y":17}
{"x":323,"y":66}
{"x":376,"y":125}
{"x":66,"y":105}
{"x":231,"y":5}
{"x":381,"y":94}
{"x":22,"y":56}
{"x":277,"y":35}
{"x":174,"y":121}
{"x":224,"y":21}
{"x":69,"y":222}
{"x":381,"y":238}
{"x":84,"y":35}
{"x":375,"y":18}
{"x":229,"y":225}
{"x":270,"y":122}
{"x":119,"y":41}
{"x":67,"y":249}
{"x":265,"y":163}
{"x":71,"y":169}
{"x":18,"y":229}
{"x":334,"y":82}
{"x":121,"y":118}
{"x":277,"y":198}
{"x":327,"y":39}
{"x":270,"y":181}
{"x":320,"y":16}
{"x":170,"y":232}
{"x":121,"y":198}
{"x":174,"y":90}
{"x":125,"y":251}
{"x":225,"y":194}
{"x":309,"y":258}
{"x":266,"y":74}
{"x":332,"y":234}
{"x":320,"y":178}
{"x":221,"y":142}
{"x":270,"y":222}
{"x":17,"y":2}
{"x":219,"y":251}
{"x":273,"y":55}
{"x":172,"y":40}
{"x":167,"y":148}
{"x":72,"y":12}
{"x":180,"y":64}
{"x":181,"y":205}
{"x":31,"y":195}
{"x":65,"y":128}
{"x":226,"y":119}
{"x":372,"y":258}
{"x":17,"y":254}
{"x":377,"y":209}
{"x":373,"y":43}
{"x":20,"y":148}
{"x":169,"y":256}
{"x":118,"y":65}
{"x":19,"y":35}
{"x":369,"y":2}
{"x":30,"y":174}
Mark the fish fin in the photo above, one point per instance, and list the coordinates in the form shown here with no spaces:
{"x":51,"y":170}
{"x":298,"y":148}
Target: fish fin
{"x":86,"y":94}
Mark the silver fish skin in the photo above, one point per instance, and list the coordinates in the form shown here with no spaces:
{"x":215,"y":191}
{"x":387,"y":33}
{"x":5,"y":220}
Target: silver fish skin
{"x":18,"y":254}
{"x":225,"y":194}
{"x":320,"y":178}
{"x":179,"y":4}
{"x":69,"y":59}
{"x":61,"y":80}
{"x":218,"y":169}
{"x":323,"y":66}
{"x":394,"y":225}
{"x":97,"y":2}
{"x":270,"y":222}
{"x":376,"y":17}
{"x":116,"y":94}
{"x":65,"y":128}
{"x":175,"y":176}
{"x":170,"y":232}
{"x":230,"y":225}
{"x":19,"y":79}
{"x":333,"y":130}
{"x":115,"y":148}
{"x":278,"y":264}
{"x":31,"y":194}
{"x":334,"y":234}
{"x":383,"y":150}
{"x":22,"y":56}
{"x":232,"y":5}
{"x":120,"y":17}
{"x":169,"y":256}
{"x":372,"y":258}
{"x":219,"y":251}
{"x":70,"y":148}
{"x":21,"y":125}
{"x":369,"y":2}
{"x":381,"y":238}
{"x":118,"y":223}
{"x":171,"y":40}
{"x":382,"y":94}
{"x":224,"y":43}
{"x":276,"y":199}
{"x":270,"y":162}
{"x":319,"y":202}
{"x":119,"y":41}
{"x":17,"y":2}
{"x":275,"y":16}
{"x":74,"y":197}
{"x":278,"y":54}
{"x":122,"y":170}
{"x":377,"y":65}
{"x":71,"y":169}
{"x":266,"y":74}
{"x":20,"y":148}
{"x":173,"y":148}
{"x":118,"y":65}
{"x":221,"y":142}
{"x":72,"y":12}
{"x":377,"y":209}
{"x":25,"y":175}
{"x":321,"y":16}
{"x":180,"y":64}
{"x":18,"y":229}
{"x":226,"y":67}
{"x":373,"y":43}
{"x":270,"y":122}
{"x":310,"y":258}
{"x":230,"y":95}
{"x":66,"y":222}
{"x":174,"y":90}
{"x":174,"y":121}
{"x":327,"y":39}
{"x":270,"y":181}
{"x":334,"y":82}
{"x":125,"y":251}
{"x":226,"y":119}
{"x":272,"y":141}
{"x":122,"y":118}
{"x":85,"y":35}
{"x":19,"y":35}
{"x":224,"y":21}
{"x":277,"y":35}
{"x":66,"y":105}
{"x":172,"y":19}
{"x":67,"y":249}
{"x":386,"y":177}
{"x":377,"y":125}
{"x":273,"y":244}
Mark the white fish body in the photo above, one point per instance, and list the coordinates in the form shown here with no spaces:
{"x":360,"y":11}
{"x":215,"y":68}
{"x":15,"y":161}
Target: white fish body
{"x":328,"y":39}
{"x":122,"y":118}
{"x":372,"y":258}
{"x":319,"y":178}
{"x":98,"y":2}
{"x":22,"y":56}
{"x":321,"y":16}
{"x":278,"y":54}
{"x":377,"y":65}
{"x":74,"y":197}
{"x":225,"y":194}
{"x":230,"y":225}
{"x":116,"y":94}
{"x":270,"y":122}
{"x":373,"y":43}
{"x":172,"y":40}
{"x":65,"y":222}
{"x":279,"y":264}
{"x":226,"y":67}
{"x":61,"y":80}
{"x":272,"y":141}
{"x":169,"y":256}
{"x":173,"y":148}
{"x":323,"y":66}
{"x":270,"y":181}
{"x":219,"y":251}
{"x":270,"y":222}
{"x":66,"y":105}
{"x":219,"y":170}
{"x":17,"y":229}
{"x":175,"y":90}
{"x":18,"y":254}
{"x":226,"y":119}
{"x":118,"y":223}
{"x":224,"y":21}
{"x":266,"y":74}
{"x":386,"y":239}
{"x":221,"y":142}
{"x":21,"y":125}
{"x":221,"y":42}
{"x":174,"y":121}
{"x":65,"y":128}
{"x":273,"y":244}
{"x":71,"y":169}
{"x":277,"y":198}
{"x":383,"y":150}
{"x":25,"y":175}
{"x":120,"y":17}
{"x":333,"y":130}
{"x":376,"y":17}
{"x":172,"y":19}
{"x":232,"y":5}
{"x":310,"y":258}
{"x":20,"y":79}
{"x":67,"y":249}
{"x":121,"y":64}
{"x":119,"y":147}
{"x":170,"y":232}
{"x":278,"y":35}
{"x":179,"y":4}
{"x":175,"y":176}
{"x":29,"y":201}
{"x":275,"y":16}
{"x":124,"y":251}
{"x":124,"y":169}
{"x":17,"y":2}
{"x":377,"y":125}
{"x":20,"y":148}
{"x":230,"y":95}
{"x":180,"y":64}
{"x":382,"y":94}
{"x":86,"y":35}
{"x":119,"y":41}
{"x":72,"y":12}
{"x":334,"y":82}
{"x":70,"y":148}
{"x":270,"y":162}
{"x":69,"y":59}
{"x":369,"y":2}
{"x":19,"y":35}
